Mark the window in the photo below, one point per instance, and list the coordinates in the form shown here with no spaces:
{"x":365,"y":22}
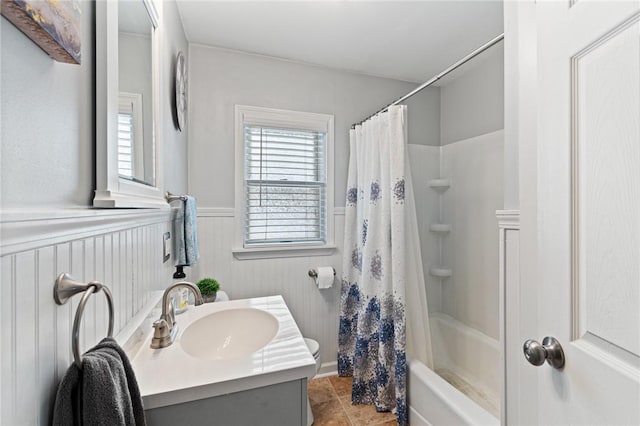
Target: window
{"x":130,"y":136}
{"x":284,"y":183}
{"x":125,"y":144}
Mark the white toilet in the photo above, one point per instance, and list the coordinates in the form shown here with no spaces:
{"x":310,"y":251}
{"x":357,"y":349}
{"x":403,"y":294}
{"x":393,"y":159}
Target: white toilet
{"x":314,"y":348}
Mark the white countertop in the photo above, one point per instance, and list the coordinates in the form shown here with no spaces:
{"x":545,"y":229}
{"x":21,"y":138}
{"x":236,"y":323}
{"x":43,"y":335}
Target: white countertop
{"x":170,"y":375}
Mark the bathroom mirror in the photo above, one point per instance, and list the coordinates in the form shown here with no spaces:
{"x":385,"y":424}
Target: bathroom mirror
{"x":135,"y":101}
{"x":127,"y":115}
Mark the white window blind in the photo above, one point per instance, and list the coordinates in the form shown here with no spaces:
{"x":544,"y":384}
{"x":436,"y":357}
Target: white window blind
{"x":125,"y":144}
{"x":130,"y":137}
{"x":285,"y":185}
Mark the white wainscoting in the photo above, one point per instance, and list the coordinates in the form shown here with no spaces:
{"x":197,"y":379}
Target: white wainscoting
{"x":123,"y":249}
{"x":509,"y":273}
{"x":316,"y":311}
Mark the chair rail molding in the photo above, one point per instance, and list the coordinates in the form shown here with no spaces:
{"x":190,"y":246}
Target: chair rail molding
{"x":508,"y":219}
{"x":216,"y":212}
{"x":27,"y":229}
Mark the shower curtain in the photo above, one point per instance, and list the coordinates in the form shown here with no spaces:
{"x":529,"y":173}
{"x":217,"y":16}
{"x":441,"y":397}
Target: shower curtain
{"x":373,"y":333}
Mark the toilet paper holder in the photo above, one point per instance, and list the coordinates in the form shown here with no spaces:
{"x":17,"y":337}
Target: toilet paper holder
{"x":314,"y":274}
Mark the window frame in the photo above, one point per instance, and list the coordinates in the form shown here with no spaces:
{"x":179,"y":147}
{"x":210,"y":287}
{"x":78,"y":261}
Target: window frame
{"x":279,"y":118}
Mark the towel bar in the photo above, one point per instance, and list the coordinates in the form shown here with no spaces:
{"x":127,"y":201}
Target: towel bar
{"x":172,"y":197}
{"x":64,"y":289}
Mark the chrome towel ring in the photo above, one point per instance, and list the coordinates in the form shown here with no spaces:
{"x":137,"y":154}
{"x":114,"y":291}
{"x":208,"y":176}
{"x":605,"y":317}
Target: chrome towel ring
{"x":64,"y":289}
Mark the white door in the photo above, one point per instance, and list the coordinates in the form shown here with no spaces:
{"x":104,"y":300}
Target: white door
{"x":588,"y":210}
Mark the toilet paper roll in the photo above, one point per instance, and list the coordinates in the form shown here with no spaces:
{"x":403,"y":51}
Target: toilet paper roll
{"x":325,"y":277}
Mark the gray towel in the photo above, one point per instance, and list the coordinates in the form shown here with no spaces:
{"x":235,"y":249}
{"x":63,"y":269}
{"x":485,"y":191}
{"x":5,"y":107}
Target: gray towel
{"x":104,"y":392}
{"x":186,"y":234}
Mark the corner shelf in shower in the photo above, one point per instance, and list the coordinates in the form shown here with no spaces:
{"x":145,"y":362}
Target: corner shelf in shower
{"x":440,"y":272}
{"x":440,"y":228}
{"x":440,"y":184}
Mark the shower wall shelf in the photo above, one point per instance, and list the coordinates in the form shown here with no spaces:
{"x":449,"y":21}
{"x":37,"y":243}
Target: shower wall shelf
{"x":440,"y":272}
{"x":440,"y":184}
{"x":439,"y":228}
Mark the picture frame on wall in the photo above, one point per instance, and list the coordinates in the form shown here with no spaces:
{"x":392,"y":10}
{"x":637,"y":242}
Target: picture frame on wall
{"x":53,"y":25}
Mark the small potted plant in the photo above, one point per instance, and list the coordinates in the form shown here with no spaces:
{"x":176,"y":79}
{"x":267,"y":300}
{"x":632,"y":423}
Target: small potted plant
{"x":208,"y":287}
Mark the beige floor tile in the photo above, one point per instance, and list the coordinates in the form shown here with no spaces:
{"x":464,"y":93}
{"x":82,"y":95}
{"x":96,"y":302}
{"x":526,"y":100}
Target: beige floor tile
{"x":329,"y":413}
{"x":364,"y":415}
{"x":320,"y":390}
{"x":342,"y":385}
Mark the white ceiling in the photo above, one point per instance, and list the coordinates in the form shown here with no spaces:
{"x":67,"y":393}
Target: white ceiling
{"x":405,"y":40}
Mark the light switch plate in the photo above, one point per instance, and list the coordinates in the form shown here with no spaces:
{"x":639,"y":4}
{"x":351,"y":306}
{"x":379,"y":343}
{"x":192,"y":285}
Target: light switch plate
{"x":166,"y":251}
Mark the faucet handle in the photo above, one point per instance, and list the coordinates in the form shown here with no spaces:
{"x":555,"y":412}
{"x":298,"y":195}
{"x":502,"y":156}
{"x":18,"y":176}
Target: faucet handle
{"x":161,"y":334}
{"x":161,"y":328}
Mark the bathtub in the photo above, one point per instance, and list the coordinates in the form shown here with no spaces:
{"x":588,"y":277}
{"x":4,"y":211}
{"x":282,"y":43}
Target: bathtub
{"x":474,"y":356}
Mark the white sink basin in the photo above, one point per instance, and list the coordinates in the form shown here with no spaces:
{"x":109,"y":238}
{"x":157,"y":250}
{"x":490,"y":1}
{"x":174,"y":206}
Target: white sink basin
{"x":229,"y":334}
{"x":223,"y":348}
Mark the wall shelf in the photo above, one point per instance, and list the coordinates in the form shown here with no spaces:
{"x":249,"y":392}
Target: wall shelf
{"x":440,"y":228}
{"x":440,"y":272}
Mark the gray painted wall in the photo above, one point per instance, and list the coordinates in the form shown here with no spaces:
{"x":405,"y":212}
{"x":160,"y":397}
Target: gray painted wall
{"x":220,"y":79}
{"x":472,"y":103}
{"x":520,"y":83}
{"x":48,"y":119}
{"x":468,"y":102}
{"x":424,"y":117}
{"x":175,"y":162}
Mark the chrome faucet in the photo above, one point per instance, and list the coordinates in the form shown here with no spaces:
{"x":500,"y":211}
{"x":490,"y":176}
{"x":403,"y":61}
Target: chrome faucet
{"x":165,"y":328}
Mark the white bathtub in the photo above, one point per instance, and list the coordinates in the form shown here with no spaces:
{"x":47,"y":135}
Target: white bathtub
{"x":470,"y":354}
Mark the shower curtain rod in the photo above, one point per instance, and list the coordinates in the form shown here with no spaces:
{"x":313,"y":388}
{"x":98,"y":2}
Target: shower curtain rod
{"x":437,"y":77}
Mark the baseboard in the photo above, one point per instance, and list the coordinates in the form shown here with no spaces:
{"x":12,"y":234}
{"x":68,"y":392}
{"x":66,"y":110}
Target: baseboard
{"x":327,"y":369}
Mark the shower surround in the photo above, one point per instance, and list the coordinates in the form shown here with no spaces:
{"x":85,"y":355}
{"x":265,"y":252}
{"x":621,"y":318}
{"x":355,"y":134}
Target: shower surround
{"x":464,"y":308}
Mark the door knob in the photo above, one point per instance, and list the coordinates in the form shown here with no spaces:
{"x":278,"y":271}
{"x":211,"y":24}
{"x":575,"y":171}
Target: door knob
{"x":549,"y":350}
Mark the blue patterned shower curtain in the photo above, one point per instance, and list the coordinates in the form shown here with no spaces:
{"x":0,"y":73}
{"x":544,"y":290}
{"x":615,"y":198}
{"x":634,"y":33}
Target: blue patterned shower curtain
{"x":372,"y":335}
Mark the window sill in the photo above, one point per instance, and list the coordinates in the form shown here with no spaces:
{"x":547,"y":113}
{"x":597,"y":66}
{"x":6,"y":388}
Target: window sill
{"x":281,"y":252}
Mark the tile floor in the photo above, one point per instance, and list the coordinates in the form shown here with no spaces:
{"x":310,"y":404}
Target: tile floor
{"x":331,"y":405}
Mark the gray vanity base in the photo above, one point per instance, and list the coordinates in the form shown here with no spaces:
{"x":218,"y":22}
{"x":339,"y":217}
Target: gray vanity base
{"x":282,"y":404}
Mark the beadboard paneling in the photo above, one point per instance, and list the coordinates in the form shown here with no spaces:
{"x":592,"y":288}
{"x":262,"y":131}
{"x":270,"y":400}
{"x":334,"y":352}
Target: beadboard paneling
{"x":35,"y":333}
{"x":316,"y":311}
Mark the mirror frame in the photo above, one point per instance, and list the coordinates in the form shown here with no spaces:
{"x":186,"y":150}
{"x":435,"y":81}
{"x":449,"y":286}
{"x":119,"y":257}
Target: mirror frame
{"x":112,"y":191}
